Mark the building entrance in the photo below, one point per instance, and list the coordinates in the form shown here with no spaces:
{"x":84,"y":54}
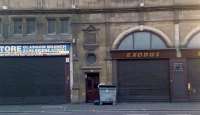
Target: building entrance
{"x":92,"y":82}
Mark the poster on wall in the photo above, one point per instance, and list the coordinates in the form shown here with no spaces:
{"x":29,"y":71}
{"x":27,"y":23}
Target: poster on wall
{"x":35,"y":50}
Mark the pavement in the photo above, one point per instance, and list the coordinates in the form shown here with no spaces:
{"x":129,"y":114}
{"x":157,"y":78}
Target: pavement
{"x":121,"y":107}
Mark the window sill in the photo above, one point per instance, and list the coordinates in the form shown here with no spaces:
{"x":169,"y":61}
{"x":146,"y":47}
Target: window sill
{"x":33,"y":34}
{"x":64,"y":34}
{"x":51,"y":34}
{"x":17,"y":35}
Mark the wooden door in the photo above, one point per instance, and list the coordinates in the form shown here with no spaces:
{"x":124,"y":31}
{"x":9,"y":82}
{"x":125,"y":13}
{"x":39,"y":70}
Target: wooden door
{"x":92,"y":92}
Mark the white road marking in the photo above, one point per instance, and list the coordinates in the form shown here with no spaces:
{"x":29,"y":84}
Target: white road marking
{"x":179,"y":114}
{"x":137,"y":114}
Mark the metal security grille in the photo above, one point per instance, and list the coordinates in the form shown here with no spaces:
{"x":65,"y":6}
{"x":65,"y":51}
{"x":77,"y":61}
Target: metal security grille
{"x":33,"y":80}
{"x":194,"y":79}
{"x":143,"y":80}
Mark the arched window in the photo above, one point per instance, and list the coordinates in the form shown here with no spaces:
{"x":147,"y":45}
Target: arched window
{"x":194,"y":42}
{"x":142,"y":41}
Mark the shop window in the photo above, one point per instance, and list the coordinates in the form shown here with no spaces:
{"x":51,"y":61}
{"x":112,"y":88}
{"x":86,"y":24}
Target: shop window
{"x":194,"y":42}
{"x":17,"y":29}
{"x":127,"y":43}
{"x":142,"y":41}
{"x":157,"y":43}
{"x":30,"y":25}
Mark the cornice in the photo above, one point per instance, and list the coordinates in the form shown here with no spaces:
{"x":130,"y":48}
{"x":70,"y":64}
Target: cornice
{"x":99,"y":10}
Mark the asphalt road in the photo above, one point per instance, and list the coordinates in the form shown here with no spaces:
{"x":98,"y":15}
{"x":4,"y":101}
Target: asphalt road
{"x":108,"y":113}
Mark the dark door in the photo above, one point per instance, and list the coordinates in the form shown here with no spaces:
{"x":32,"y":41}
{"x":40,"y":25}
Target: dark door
{"x":179,"y":91}
{"x":143,"y":80}
{"x":194,"y":79}
{"x":92,"y":92}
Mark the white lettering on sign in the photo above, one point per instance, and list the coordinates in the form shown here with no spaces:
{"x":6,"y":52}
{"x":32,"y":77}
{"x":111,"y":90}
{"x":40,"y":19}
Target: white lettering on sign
{"x":10,"y":48}
{"x":34,"y":50}
{"x":66,"y":60}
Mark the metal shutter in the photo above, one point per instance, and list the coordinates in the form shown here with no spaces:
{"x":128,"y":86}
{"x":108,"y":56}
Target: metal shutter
{"x":33,"y":80}
{"x":143,"y":80}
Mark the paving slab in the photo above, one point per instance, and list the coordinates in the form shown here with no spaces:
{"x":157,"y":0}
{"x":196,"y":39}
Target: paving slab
{"x":92,"y":107}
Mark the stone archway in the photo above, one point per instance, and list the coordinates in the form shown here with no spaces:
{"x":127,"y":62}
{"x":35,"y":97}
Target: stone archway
{"x":142,"y":28}
{"x":138,"y":76}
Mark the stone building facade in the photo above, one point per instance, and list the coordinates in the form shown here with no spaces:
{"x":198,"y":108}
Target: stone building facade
{"x":101,"y":53}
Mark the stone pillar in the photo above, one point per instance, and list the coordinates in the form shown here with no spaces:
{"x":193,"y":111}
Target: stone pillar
{"x":177,"y":40}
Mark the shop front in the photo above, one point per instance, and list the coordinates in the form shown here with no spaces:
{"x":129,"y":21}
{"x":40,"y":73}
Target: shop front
{"x":142,"y":60}
{"x":192,"y":62}
{"x":143,"y":75}
{"x":146,"y":69}
{"x":34,"y":73}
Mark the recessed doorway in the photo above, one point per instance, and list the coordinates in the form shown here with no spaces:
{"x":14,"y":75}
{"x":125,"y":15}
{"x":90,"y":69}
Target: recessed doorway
{"x":92,"y":82}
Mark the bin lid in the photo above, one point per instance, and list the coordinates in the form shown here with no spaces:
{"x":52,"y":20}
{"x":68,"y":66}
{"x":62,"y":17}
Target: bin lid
{"x":107,"y":86}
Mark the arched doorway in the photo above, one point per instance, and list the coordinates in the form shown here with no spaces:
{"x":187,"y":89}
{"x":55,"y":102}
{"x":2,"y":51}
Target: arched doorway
{"x":142,"y":73}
